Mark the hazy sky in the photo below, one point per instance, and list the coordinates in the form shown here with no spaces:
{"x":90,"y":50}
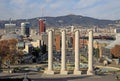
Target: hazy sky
{"x":102,"y":9}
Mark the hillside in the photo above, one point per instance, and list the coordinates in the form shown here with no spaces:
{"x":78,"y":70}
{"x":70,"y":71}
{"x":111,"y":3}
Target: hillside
{"x":67,"y":20}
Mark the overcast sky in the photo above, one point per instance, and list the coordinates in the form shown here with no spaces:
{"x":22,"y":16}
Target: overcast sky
{"x":19,"y":9}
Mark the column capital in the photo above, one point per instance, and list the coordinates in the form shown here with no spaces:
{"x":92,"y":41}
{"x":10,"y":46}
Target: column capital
{"x":76,"y":30}
{"x":90,"y":30}
{"x":48,"y":30}
{"x":62,"y":30}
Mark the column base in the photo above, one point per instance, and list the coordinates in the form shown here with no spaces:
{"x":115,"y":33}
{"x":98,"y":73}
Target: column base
{"x":77,"y":72}
{"x":90,"y":72}
{"x":63,"y":72}
{"x":50,"y":72}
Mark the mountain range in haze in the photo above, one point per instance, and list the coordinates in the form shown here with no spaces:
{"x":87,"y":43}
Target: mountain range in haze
{"x":67,"y":20}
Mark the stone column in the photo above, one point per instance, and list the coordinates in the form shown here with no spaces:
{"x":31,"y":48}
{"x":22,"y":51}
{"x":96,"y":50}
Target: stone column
{"x":63,"y":55}
{"x":100,"y":52}
{"x":50,"y":53}
{"x":90,"y":54}
{"x":77,"y":53}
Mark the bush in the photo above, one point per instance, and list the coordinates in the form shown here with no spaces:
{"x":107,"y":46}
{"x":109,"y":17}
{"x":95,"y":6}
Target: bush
{"x":13,"y":79}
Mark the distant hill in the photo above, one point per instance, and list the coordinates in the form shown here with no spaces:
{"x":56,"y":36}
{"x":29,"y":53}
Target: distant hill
{"x":76,"y":20}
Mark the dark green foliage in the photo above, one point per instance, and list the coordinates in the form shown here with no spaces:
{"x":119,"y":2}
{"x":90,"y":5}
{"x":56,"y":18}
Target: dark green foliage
{"x":96,"y":52}
{"x":35,"y":52}
{"x":13,"y":79}
{"x":43,"y":49}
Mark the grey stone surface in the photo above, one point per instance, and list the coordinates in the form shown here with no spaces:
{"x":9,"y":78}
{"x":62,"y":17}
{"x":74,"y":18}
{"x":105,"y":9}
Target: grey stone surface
{"x":58,"y":77}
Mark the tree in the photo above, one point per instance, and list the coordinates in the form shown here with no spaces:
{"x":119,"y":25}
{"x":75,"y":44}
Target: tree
{"x":115,"y":51}
{"x":35,"y":52}
{"x":4,"y":48}
{"x":9,"y":51}
{"x":43,"y":49}
{"x":96,"y":52}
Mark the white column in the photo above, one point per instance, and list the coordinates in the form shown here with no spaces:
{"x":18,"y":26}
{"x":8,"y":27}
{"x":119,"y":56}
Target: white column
{"x":90,"y":54}
{"x":77,"y":53}
{"x":50,"y":53}
{"x":63,"y":55}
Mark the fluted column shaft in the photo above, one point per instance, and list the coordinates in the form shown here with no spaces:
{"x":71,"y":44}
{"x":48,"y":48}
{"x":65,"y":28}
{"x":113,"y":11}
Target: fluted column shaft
{"x":77,"y":51}
{"x":50,"y":50}
{"x":90,"y":54}
{"x":50,"y":53}
{"x":63,"y":56}
{"x":63,"y":53}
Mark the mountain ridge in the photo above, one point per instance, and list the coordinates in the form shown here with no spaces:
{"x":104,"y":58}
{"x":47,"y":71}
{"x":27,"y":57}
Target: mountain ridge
{"x":67,"y":20}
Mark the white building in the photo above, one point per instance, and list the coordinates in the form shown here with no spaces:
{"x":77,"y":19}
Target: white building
{"x":10,"y":28}
{"x":27,"y":48}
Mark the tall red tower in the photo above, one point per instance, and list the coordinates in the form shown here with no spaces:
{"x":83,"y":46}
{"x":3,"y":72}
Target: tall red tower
{"x":57,"y":42}
{"x":41,"y":26}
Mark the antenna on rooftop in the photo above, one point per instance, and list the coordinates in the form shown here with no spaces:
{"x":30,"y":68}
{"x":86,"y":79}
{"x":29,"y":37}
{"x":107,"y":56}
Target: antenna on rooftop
{"x":26,"y":20}
{"x":10,"y":20}
{"x":42,"y":13}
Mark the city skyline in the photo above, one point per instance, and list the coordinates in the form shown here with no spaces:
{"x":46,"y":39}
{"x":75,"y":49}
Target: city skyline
{"x":19,"y":9}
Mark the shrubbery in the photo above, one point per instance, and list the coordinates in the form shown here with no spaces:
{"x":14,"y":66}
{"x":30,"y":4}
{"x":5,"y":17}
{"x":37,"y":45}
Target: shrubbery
{"x":13,"y":79}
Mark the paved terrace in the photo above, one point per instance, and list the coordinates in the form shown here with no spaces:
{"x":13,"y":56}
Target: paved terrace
{"x":35,"y":76}
{"x":57,"y":77}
